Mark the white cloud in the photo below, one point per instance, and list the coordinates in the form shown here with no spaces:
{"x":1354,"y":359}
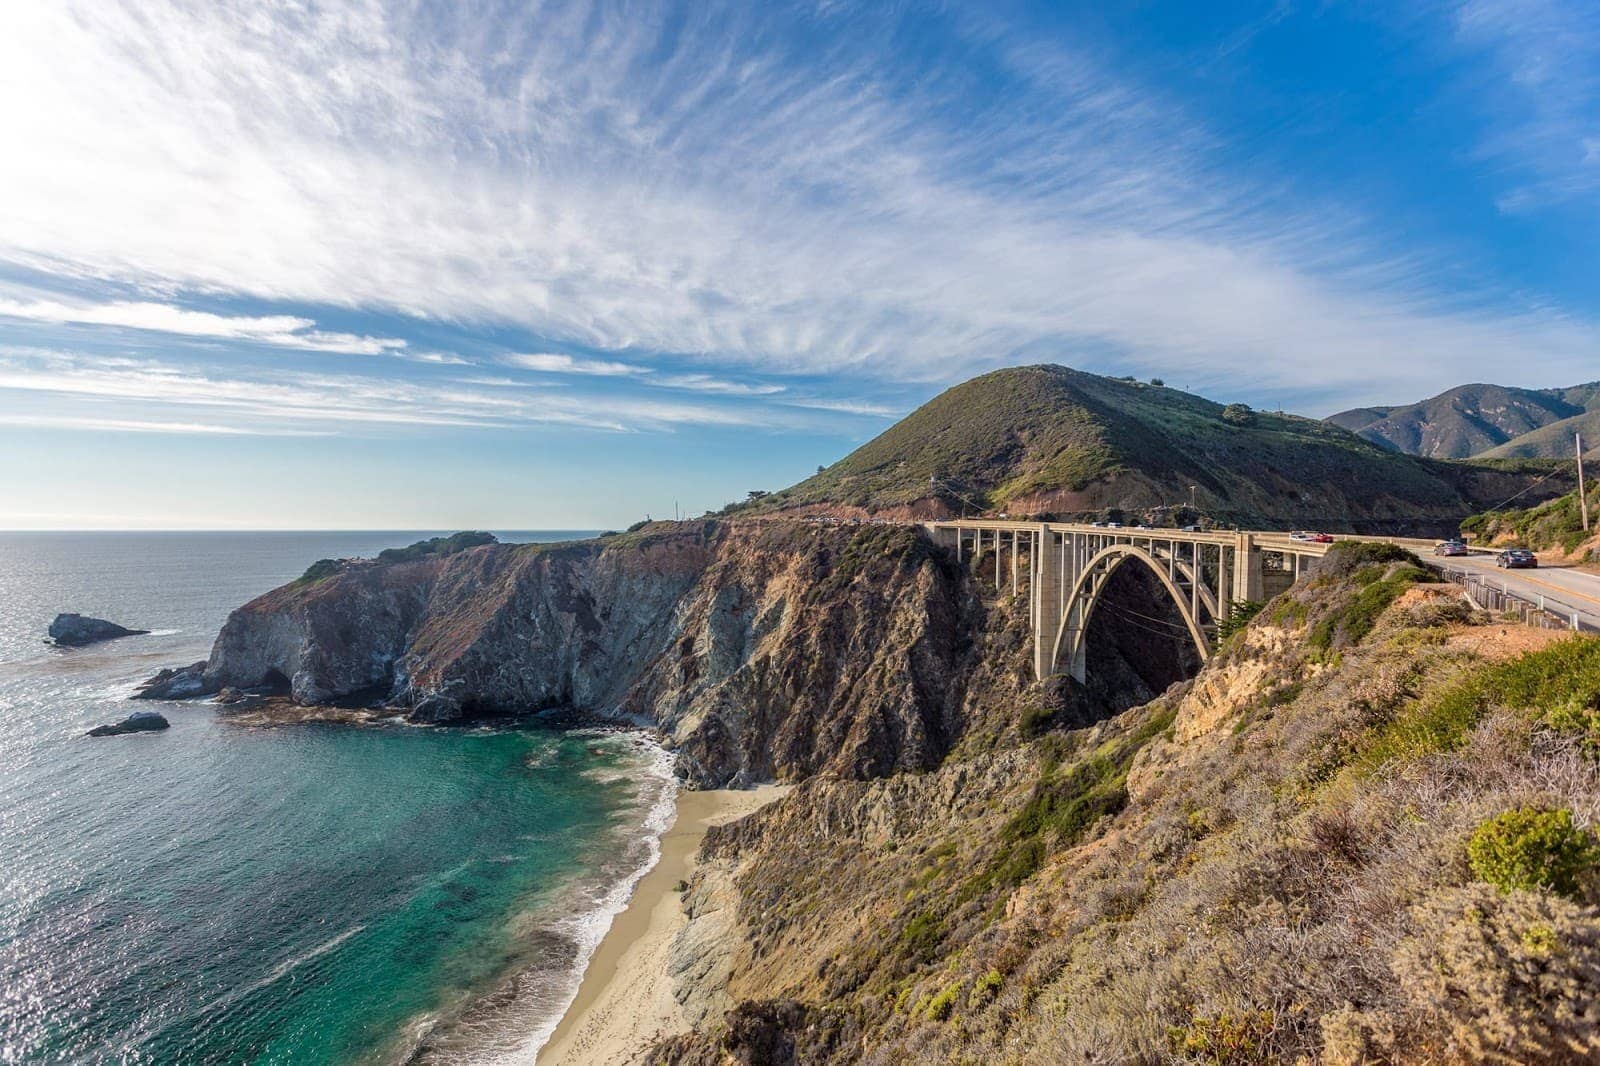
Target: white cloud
{"x":1543,"y":99}
{"x":293,"y":403}
{"x":555,"y":363}
{"x":614,"y":180}
{"x":281,"y":330}
{"x":133,"y":425}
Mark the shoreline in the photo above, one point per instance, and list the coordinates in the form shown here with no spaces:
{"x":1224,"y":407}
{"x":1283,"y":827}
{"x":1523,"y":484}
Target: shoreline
{"x":624,"y":1000}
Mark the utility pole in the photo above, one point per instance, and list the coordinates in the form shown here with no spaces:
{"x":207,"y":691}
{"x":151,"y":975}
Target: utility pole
{"x":1583,"y":501}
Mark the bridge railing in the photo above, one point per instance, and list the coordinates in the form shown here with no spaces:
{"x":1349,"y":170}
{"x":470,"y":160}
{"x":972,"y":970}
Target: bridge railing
{"x":1529,"y":610}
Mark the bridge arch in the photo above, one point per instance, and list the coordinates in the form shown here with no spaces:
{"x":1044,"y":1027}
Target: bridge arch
{"x":1070,"y":651}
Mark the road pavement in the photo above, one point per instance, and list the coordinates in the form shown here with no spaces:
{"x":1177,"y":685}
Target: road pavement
{"x":1564,"y":589}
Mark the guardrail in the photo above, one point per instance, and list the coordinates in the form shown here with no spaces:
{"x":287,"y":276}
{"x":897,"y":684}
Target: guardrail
{"x":1501,"y":600}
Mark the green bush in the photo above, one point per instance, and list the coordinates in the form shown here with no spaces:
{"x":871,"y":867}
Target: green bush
{"x":320,"y":569}
{"x":1037,"y":720}
{"x":1558,"y":685}
{"x":941,"y":1006}
{"x":455,"y":542}
{"x":1533,"y":849}
{"x":985,"y":988}
{"x":921,"y":936}
{"x":1240,"y":614}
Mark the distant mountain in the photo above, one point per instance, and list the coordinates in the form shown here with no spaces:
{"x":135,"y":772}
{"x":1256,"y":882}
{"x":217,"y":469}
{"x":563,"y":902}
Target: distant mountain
{"x":1555,"y":439}
{"x":1049,"y":439}
{"x":1473,"y":419}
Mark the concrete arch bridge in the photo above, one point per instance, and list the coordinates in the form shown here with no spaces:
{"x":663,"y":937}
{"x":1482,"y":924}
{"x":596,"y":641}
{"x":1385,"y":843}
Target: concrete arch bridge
{"x":1065,"y":568}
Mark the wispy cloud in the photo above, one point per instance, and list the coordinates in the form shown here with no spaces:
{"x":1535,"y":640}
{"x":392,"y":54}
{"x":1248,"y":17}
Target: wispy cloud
{"x":163,"y":426}
{"x":1543,"y":100}
{"x":686,"y":180}
{"x":280,"y":330}
{"x":297,"y":403}
{"x":556,"y":363}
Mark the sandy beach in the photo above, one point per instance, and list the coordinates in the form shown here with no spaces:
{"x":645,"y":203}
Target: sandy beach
{"x":625,"y":1000}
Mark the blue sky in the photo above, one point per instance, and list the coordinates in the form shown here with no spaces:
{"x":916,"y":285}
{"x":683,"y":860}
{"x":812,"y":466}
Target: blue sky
{"x":564,"y":264}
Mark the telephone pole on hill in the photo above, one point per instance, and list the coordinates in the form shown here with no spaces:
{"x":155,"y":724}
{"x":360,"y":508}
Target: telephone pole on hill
{"x":1583,"y":501}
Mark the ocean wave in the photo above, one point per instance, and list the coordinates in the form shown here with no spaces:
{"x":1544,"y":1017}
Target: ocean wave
{"x":526,"y":1010}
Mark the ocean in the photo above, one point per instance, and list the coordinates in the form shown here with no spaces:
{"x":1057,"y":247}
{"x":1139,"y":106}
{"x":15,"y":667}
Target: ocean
{"x":314,"y":893}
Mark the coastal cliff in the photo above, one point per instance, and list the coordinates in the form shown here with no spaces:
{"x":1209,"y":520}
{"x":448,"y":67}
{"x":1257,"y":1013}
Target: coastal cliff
{"x":1363,"y":834}
{"x":774,"y":650}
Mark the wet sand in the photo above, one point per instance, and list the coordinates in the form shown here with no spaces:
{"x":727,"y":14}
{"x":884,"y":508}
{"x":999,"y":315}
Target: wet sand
{"x":625,"y":1001}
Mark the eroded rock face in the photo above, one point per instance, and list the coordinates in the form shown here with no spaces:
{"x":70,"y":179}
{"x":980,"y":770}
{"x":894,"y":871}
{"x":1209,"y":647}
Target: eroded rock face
{"x":76,"y":630}
{"x":773,"y":650}
{"x":180,"y":683}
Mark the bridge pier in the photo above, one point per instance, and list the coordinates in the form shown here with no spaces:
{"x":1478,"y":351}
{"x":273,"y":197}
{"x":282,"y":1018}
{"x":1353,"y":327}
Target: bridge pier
{"x":1048,"y":593}
{"x":1249,"y":578}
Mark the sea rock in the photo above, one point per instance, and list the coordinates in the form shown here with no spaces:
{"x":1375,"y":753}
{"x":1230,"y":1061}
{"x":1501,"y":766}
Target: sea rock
{"x":137,"y":722}
{"x":181,"y":683}
{"x":76,"y":630}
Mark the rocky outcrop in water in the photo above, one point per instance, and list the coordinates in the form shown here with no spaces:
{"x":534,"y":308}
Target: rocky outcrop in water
{"x":180,"y":683}
{"x":137,"y":722}
{"x":76,"y":630}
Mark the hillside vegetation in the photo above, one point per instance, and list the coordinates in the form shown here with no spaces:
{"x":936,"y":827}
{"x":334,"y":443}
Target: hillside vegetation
{"x":1048,"y":439}
{"x":1494,"y":421}
{"x":1553,"y":525}
{"x":1364,"y":834}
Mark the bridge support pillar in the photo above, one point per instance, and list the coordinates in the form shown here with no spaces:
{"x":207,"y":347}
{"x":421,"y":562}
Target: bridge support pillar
{"x":1046,"y":593}
{"x":1249,"y":578}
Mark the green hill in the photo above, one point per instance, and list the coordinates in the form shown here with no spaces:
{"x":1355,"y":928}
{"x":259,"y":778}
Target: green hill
{"x":1470,"y":420}
{"x":1049,"y":439}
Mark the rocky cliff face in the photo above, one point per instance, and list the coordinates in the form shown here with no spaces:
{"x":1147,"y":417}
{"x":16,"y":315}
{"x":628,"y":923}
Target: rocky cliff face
{"x":773,"y":650}
{"x":1271,"y":863}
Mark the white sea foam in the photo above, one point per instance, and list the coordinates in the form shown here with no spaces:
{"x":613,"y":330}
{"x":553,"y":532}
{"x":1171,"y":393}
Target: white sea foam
{"x":518,"y":1035}
{"x":659,"y":786}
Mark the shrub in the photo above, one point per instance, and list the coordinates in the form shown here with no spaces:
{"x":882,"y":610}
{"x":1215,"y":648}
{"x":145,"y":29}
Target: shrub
{"x":1559,"y":685}
{"x":1037,"y":720}
{"x":1240,"y":614}
{"x":455,"y":542}
{"x":320,"y":569}
{"x":985,"y":988}
{"x":1506,"y":978}
{"x":941,"y":1006}
{"x":1225,"y":1038}
{"x":921,"y":936}
{"x":1533,"y":849}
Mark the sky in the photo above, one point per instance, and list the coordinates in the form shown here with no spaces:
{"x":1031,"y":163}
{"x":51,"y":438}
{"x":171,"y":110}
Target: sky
{"x":565,"y":264}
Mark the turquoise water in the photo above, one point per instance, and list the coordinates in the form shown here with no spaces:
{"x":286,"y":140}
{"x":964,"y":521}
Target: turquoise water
{"x":310,"y":893}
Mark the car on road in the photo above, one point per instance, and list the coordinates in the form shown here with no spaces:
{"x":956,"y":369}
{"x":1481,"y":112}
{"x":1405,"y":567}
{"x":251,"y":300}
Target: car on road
{"x":1517,"y":559}
{"x":1450,"y":547}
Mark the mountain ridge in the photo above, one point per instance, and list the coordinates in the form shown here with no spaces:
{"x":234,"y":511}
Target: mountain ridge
{"x":1477,"y":420}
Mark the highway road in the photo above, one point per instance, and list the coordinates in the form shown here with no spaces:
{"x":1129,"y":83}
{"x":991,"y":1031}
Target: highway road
{"x":1563,"y":588}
